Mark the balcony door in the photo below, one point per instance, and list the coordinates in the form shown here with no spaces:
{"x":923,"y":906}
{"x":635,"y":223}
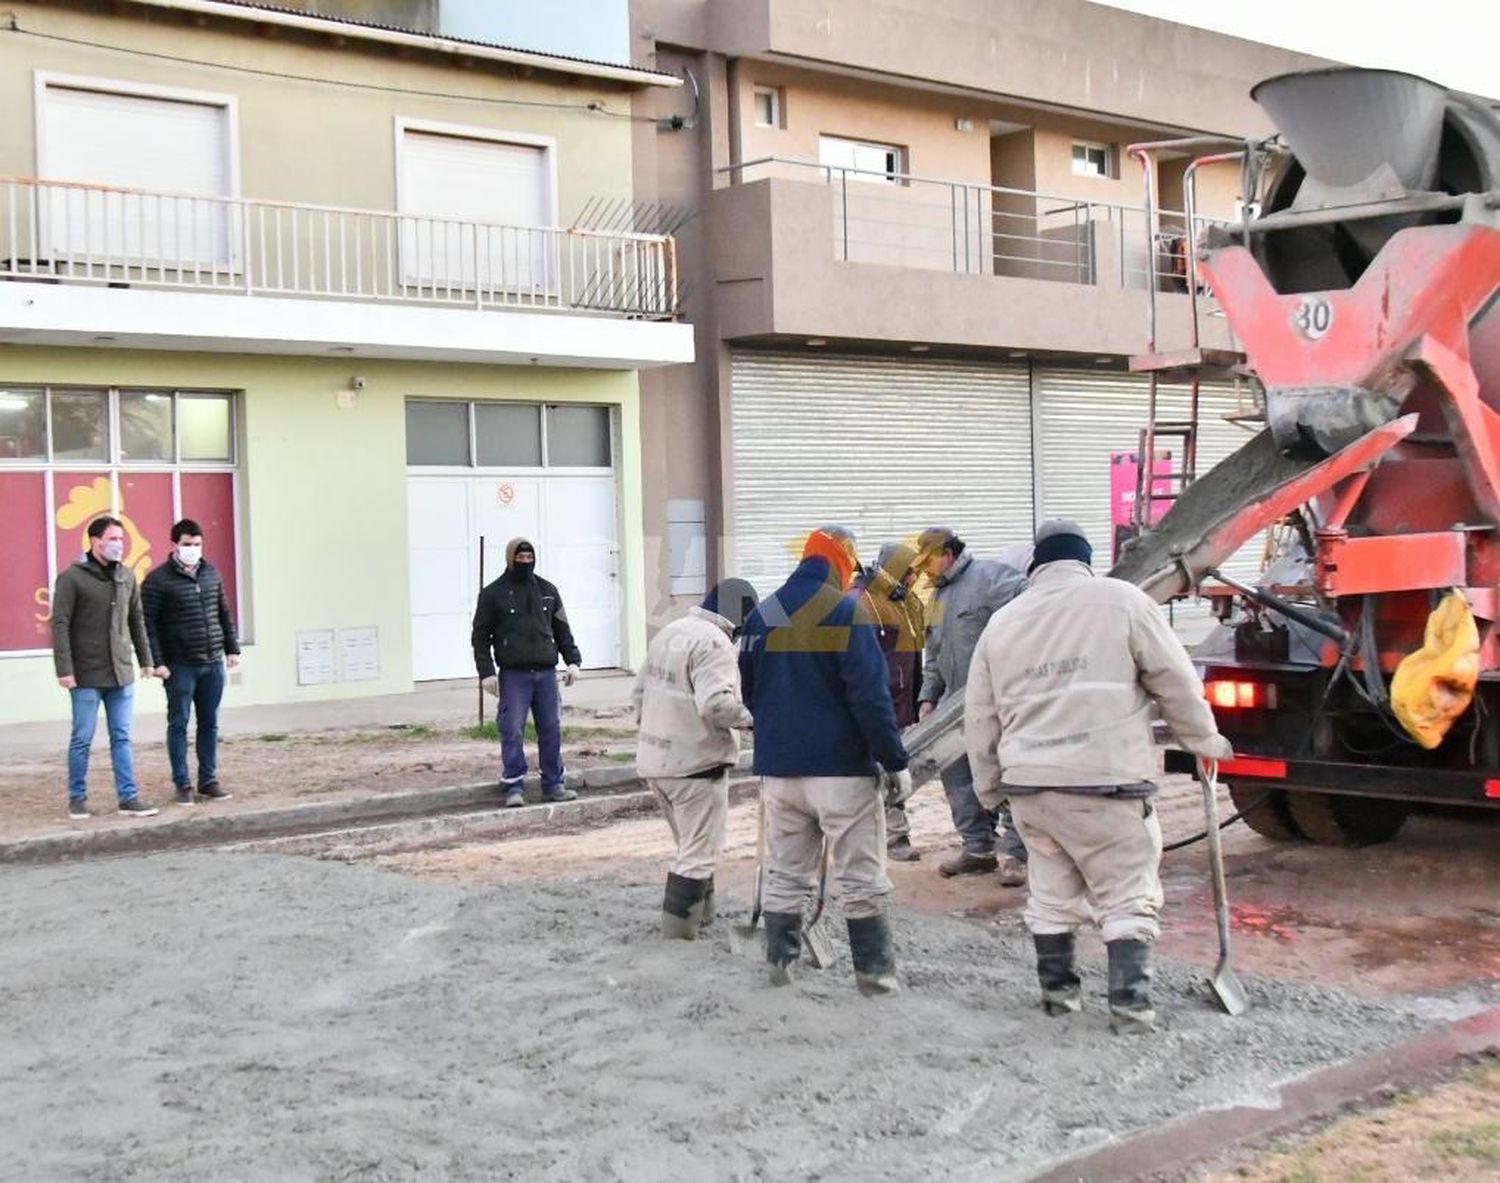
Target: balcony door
{"x":95,"y":138}
{"x":478,"y":211}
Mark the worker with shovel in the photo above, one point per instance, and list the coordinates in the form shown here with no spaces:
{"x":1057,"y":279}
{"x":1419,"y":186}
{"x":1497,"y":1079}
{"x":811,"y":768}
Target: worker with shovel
{"x":687,"y":704}
{"x":815,"y":681}
{"x":1057,"y":717}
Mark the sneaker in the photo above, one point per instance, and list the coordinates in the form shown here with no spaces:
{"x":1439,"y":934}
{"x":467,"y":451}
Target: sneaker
{"x":552,"y":796}
{"x":78,"y":809}
{"x":901,"y":850}
{"x":514,"y":799}
{"x":135,"y":807}
{"x":968,"y":864}
{"x":213,"y":791}
{"x":183,"y":795}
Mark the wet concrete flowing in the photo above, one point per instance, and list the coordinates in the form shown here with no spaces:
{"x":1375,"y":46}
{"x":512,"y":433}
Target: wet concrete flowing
{"x":215,"y":1015}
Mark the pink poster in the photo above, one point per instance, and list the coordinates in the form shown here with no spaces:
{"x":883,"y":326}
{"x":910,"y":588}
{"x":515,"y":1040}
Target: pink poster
{"x":208,"y":498}
{"x":1124,"y":468}
{"x":24,"y":593}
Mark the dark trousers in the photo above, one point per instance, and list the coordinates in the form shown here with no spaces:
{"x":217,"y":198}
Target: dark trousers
{"x":198,"y":688}
{"x":532,"y":692}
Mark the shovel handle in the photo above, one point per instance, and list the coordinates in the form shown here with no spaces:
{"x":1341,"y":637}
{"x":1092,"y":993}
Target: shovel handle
{"x":822,"y":899}
{"x":760,"y":852}
{"x":1208,"y":776}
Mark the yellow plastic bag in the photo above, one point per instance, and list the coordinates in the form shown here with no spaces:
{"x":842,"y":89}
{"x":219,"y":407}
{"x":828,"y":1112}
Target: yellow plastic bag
{"x":1434,"y":685}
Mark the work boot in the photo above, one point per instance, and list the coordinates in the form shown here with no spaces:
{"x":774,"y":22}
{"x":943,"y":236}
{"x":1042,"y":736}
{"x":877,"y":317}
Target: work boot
{"x":1012,"y":872}
{"x":783,"y":944}
{"x":682,"y":908}
{"x":901,"y":850}
{"x":1054,"y":969}
{"x":874,"y":955}
{"x":1130,"y":1010}
{"x":968,"y":864}
{"x":708,"y":902}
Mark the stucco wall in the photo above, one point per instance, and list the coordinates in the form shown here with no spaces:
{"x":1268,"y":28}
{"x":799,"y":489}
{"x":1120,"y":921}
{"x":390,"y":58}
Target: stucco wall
{"x":326,"y":142}
{"x":323,"y":517}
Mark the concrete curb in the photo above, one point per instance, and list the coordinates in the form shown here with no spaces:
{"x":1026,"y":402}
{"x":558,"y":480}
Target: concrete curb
{"x":207,"y":829}
{"x":1170,"y":1151}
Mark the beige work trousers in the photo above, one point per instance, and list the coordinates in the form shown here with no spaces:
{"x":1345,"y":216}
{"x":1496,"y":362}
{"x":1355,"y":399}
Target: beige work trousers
{"x":1092,"y":858}
{"x":695,"y":808}
{"x":800,"y":812}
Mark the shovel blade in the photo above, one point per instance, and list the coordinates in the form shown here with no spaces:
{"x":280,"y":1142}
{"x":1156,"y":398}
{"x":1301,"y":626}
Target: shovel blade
{"x":744,"y":940}
{"x":818,"y":943}
{"x":1230,"y":992}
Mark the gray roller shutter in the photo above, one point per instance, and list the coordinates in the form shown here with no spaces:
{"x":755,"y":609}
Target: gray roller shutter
{"x":1085,"y":416}
{"x":883,"y":445}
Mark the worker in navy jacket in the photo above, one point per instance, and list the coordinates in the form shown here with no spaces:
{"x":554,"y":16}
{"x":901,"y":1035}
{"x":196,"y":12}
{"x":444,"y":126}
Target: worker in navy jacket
{"x":814,"y":678}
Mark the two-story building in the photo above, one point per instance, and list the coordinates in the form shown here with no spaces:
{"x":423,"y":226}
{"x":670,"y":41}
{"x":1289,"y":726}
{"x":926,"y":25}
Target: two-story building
{"x":353,"y":296}
{"x":922,"y":263}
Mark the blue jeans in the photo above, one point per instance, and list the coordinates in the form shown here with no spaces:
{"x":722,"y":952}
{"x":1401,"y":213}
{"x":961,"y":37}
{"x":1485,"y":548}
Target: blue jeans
{"x":119,"y":704}
{"x":197,"y":688}
{"x":531,"y":692}
{"x":976,"y":825}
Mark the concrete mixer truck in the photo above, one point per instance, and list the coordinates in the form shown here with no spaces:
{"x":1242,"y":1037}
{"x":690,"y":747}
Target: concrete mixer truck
{"x":1360,"y":674}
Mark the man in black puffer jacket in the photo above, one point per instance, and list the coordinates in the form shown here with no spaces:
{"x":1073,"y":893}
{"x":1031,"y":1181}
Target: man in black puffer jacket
{"x":521,"y":628}
{"x":192,"y":636}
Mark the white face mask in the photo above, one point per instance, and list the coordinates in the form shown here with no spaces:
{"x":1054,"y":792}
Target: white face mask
{"x":188,"y":556}
{"x":113,"y":551}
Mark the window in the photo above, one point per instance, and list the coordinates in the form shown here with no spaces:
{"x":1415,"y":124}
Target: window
{"x":1092,"y":160}
{"x":68,"y":456}
{"x":127,"y":136}
{"x":862,"y":161}
{"x":480,"y":204}
{"x":768,"y":107}
{"x":507,"y":435}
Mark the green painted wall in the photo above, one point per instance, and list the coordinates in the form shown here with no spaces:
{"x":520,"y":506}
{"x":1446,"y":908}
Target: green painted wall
{"x":323,"y":499}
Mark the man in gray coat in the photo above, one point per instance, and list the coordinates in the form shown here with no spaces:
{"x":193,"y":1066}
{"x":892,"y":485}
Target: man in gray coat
{"x":96,"y":621}
{"x":688,"y":706}
{"x":969,"y":591}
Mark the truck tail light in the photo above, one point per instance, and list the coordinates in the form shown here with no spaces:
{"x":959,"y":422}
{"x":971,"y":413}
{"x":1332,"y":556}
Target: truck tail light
{"x":1227,"y":694}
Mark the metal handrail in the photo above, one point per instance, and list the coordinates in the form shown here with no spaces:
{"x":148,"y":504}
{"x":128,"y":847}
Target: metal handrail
{"x":81,"y":232}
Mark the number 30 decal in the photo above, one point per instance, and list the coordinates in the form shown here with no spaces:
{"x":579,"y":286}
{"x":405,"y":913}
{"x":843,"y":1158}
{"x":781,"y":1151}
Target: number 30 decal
{"x":1313,"y":318}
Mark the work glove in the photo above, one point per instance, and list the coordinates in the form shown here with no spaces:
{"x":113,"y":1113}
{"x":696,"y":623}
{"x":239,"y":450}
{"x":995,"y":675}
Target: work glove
{"x":570,"y":675}
{"x":897,"y":787}
{"x":491,"y":685}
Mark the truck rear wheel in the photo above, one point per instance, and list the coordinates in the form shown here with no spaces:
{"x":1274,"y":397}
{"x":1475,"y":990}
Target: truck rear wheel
{"x":1265,"y":811}
{"x":1334,"y":819}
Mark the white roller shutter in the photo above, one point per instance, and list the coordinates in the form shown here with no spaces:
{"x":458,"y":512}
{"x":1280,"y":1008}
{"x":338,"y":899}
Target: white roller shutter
{"x":1085,"y":416}
{"x":886,"y":446}
{"x":129,"y":141}
{"x":454,"y":184}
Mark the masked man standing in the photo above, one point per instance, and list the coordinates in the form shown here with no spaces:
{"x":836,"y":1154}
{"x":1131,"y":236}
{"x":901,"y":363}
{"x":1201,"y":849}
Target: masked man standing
{"x":520,"y":628}
{"x":687,"y":704}
{"x":815,"y":681}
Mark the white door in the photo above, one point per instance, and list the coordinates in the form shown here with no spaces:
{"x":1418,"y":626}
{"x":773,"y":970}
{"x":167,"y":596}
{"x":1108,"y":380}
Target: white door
{"x":481,"y":210}
{"x":166,"y":146}
{"x":571,"y":520}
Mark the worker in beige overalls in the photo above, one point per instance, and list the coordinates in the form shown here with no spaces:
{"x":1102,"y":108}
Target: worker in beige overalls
{"x":1057,"y":718}
{"x":687,"y":703}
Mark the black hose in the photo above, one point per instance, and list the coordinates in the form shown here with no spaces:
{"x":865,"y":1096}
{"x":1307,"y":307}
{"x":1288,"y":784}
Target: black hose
{"x":1223,"y":825}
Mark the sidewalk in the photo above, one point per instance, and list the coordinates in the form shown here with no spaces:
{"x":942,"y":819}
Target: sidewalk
{"x":450,"y":704}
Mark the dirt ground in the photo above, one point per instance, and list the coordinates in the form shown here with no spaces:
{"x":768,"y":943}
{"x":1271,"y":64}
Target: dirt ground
{"x":1451,"y":1132}
{"x":217,"y":1015}
{"x":289,"y":768}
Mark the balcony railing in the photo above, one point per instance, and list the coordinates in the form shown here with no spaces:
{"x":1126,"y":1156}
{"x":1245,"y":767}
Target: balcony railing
{"x":943,"y":225}
{"x":63,"y":232}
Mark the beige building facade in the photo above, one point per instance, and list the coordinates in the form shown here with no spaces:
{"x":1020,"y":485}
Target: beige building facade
{"x":920,"y":264}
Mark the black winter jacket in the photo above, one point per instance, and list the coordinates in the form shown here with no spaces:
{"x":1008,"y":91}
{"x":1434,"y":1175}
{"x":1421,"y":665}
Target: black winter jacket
{"x":520,"y":624}
{"x":187,"y":616}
